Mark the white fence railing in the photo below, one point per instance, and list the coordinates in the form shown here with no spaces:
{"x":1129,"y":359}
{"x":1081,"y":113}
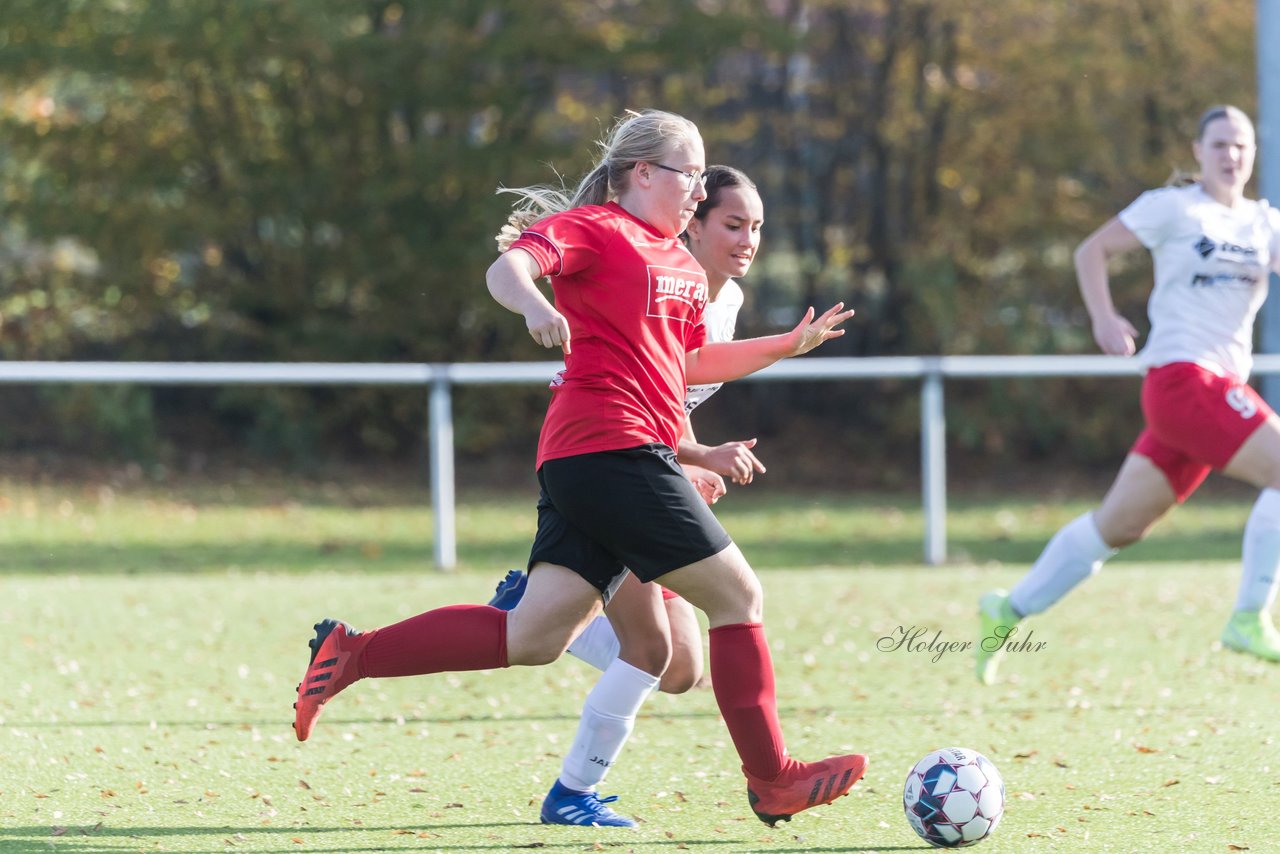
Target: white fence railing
{"x":440,"y":378}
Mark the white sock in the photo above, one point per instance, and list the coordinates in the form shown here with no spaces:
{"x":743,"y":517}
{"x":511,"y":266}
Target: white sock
{"x":597,"y":645}
{"x":1261,"y":554}
{"x":1075,"y":552}
{"x":607,"y":719}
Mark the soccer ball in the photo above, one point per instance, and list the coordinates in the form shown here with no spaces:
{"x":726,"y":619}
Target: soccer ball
{"x":953,"y":797}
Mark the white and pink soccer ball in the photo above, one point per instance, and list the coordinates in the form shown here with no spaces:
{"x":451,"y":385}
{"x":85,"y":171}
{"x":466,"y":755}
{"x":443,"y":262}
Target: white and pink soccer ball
{"x":953,"y":797}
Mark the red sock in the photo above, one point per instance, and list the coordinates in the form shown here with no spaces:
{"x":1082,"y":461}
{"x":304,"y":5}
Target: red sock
{"x":453,"y":638}
{"x":742,"y":679}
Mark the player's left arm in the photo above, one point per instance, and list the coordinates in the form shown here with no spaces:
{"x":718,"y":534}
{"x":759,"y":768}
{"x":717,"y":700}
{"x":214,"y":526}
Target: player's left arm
{"x":722,"y":361}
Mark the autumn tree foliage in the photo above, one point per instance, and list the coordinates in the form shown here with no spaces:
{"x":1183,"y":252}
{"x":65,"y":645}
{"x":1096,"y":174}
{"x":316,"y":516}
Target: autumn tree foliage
{"x":314,"y":180}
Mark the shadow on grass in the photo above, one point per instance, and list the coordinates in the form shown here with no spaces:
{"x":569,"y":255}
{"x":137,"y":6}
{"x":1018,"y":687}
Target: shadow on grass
{"x":863,"y":710}
{"x":42,"y":838}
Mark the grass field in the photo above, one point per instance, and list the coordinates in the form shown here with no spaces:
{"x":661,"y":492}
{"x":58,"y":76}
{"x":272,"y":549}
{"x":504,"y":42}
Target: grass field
{"x":153,"y":640}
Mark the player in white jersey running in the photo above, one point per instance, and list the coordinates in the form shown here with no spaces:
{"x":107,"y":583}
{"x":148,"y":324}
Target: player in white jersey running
{"x":723,"y":236}
{"x":1212,"y":250}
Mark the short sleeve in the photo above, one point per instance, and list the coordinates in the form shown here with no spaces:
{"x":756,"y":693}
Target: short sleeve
{"x":568,"y":242}
{"x":1152,"y":216}
{"x":697,"y":335}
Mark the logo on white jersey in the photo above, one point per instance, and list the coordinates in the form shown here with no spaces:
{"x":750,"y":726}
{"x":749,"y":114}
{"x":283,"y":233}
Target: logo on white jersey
{"x":1205,"y":246}
{"x":1238,"y":399}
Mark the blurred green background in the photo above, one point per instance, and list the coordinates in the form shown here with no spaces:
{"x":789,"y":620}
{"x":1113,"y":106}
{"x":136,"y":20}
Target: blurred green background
{"x":242,"y":180}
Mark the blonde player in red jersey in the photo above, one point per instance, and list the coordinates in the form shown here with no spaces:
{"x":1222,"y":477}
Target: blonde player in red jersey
{"x":1213,"y":249}
{"x":628,"y":316}
{"x":723,"y":237}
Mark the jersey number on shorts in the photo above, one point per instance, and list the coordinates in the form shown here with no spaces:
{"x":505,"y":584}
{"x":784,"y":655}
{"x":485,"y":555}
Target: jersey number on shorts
{"x":1241,"y":402}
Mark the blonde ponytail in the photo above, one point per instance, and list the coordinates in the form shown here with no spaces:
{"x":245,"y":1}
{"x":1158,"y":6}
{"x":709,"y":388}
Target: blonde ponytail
{"x":535,"y":203}
{"x":643,"y":137}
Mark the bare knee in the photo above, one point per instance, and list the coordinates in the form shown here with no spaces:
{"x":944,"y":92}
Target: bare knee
{"x":535,"y":653}
{"x":685,"y":668}
{"x":651,"y":654}
{"x":1126,"y":537}
{"x":742,"y":604}
{"x":1118,"y":533}
{"x":680,"y":676}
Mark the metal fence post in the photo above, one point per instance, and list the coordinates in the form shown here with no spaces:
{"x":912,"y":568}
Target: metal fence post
{"x":1267,"y":23}
{"x":933,"y":459}
{"x":442,"y":481}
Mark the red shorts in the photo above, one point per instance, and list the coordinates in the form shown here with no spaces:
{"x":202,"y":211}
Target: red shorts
{"x":669,"y":594}
{"x":1196,"y":421}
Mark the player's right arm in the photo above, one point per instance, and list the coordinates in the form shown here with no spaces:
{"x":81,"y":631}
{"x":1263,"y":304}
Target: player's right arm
{"x":1114,"y":334}
{"x":512,"y":281}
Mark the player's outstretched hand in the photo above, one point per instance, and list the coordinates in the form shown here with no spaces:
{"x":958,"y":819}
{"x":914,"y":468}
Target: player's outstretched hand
{"x":810,"y":332}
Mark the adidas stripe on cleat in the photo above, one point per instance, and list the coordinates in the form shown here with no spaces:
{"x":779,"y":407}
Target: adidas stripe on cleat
{"x":584,"y":809}
{"x":335,"y":653}
{"x":804,"y":785}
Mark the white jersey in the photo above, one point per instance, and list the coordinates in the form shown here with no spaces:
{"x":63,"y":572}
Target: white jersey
{"x":721,"y":320}
{"x":1211,"y":265}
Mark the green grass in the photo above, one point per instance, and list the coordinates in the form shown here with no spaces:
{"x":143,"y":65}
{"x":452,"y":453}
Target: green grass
{"x":153,"y":640}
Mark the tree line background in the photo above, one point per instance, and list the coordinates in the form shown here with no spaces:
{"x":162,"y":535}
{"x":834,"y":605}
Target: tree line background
{"x":313,"y":180}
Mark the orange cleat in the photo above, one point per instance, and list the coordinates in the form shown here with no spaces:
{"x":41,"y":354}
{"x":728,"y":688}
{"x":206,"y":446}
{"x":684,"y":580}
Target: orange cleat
{"x":804,"y":785}
{"x":335,"y":650}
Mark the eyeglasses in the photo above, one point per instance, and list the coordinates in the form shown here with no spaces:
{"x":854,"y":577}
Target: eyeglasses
{"x":691,"y":179}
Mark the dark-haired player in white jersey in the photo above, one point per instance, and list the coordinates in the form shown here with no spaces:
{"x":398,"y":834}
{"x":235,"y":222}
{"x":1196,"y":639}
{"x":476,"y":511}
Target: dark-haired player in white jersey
{"x":1212,"y":250}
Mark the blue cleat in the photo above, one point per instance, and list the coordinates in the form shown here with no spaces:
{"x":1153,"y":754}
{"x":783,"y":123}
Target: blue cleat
{"x":510,"y":590}
{"x":585,"y":809}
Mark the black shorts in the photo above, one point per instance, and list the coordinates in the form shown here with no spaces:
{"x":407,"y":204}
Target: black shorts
{"x":604,"y":512}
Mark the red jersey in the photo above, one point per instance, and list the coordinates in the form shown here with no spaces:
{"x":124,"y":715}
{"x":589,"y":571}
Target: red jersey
{"x":634,"y":302}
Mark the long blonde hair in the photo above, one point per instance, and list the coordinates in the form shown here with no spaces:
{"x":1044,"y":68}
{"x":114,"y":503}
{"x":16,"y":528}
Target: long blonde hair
{"x":637,"y":137}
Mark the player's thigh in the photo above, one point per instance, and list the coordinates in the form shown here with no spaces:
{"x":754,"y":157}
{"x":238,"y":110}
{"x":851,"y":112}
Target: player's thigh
{"x":1138,"y":498}
{"x":556,"y":606}
{"x":722,"y":586}
{"x":685,"y":668}
{"x":1258,"y":460}
{"x":639,"y":620}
